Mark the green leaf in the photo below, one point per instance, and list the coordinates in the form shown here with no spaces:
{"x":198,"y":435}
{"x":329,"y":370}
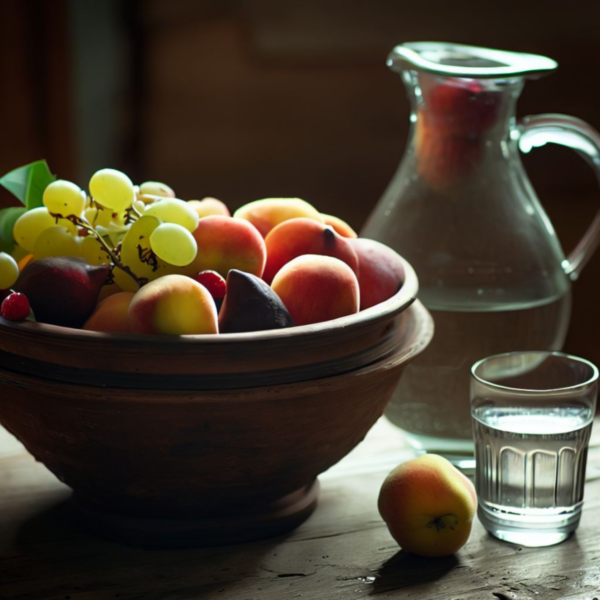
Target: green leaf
{"x":28,"y":183}
{"x":8,"y":217}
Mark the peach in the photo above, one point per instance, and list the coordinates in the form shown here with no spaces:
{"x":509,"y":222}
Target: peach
{"x":380,"y":271}
{"x":444,"y":160}
{"x":465,"y":108}
{"x":317,"y":288}
{"x":341,"y":227}
{"x":107,"y":290}
{"x":428,"y":506}
{"x":303,"y":236}
{"x":111,"y":314}
{"x":268,"y":213}
{"x":173,"y":305}
{"x":208,"y":207}
{"x":226,"y":243}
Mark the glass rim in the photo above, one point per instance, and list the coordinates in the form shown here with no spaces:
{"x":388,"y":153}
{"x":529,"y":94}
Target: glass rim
{"x":571,"y":357}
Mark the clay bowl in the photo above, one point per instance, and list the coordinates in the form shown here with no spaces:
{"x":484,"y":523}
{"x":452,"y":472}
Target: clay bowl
{"x":204,"y":439}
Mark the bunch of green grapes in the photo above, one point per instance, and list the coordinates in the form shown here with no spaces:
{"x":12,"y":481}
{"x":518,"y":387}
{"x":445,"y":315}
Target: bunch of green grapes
{"x":145,"y":231}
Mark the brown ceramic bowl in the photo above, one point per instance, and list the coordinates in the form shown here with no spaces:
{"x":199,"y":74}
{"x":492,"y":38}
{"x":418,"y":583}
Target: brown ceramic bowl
{"x":203,"y":439}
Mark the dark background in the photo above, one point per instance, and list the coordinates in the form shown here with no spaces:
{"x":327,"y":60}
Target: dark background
{"x":244,"y":99}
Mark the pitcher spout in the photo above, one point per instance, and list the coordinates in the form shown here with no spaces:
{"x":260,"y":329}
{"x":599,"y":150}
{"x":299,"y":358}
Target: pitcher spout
{"x":460,"y":60}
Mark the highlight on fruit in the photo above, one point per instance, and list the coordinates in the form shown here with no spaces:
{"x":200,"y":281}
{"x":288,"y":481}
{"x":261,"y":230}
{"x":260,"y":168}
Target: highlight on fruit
{"x":131,"y":258}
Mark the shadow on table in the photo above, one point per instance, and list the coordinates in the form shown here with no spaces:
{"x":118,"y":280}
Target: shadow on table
{"x":405,"y":569}
{"x":53,"y":555}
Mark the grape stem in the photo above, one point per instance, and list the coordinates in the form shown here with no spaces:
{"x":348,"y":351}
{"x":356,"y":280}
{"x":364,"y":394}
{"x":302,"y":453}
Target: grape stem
{"x":84,"y":223}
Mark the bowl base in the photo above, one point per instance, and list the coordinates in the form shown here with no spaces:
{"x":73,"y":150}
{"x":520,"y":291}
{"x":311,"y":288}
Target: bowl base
{"x":273,"y":519}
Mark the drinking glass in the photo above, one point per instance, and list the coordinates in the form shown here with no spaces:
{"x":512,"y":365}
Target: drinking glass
{"x":532,"y":416}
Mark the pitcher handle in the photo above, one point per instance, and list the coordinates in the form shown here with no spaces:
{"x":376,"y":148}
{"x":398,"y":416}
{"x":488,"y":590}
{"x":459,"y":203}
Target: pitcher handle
{"x":538,"y":130}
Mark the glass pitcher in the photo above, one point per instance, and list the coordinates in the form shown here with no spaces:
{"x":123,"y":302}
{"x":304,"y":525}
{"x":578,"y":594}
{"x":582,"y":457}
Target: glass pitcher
{"x":461,"y":209}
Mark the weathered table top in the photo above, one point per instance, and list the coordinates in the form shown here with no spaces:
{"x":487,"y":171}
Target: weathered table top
{"x":342,"y":551}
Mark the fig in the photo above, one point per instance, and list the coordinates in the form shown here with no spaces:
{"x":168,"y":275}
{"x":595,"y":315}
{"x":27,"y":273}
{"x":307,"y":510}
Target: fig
{"x":251,"y":305}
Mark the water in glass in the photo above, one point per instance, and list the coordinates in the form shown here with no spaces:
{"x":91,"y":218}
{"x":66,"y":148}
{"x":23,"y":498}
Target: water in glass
{"x":531,"y":466}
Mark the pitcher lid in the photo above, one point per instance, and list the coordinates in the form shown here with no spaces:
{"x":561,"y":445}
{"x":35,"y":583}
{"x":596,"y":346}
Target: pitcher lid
{"x":460,"y":60}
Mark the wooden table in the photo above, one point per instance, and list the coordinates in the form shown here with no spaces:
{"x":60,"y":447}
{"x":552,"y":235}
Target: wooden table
{"x":342,"y":551}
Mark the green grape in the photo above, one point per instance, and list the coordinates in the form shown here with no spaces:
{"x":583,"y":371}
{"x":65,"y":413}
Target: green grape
{"x":57,"y":241}
{"x":9,"y":271}
{"x":119,"y":218}
{"x":32,"y":223}
{"x":156,"y":188}
{"x":98,"y":216}
{"x":93,"y":251}
{"x":63,"y":198}
{"x":174,"y":244}
{"x":112,"y":188}
{"x":137,"y":254}
{"x":171,"y":210}
{"x":125,"y":281}
{"x":139,"y":206}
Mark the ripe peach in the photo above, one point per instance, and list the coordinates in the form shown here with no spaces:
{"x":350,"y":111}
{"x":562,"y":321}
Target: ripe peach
{"x":380,"y":271}
{"x":428,"y":506}
{"x":226,"y":243}
{"x":317,"y":288}
{"x":111,"y":314}
{"x":173,"y":305}
{"x":270,"y":212}
{"x":107,"y":290}
{"x":303,"y":236}
{"x":341,"y":227}
{"x":208,"y":207}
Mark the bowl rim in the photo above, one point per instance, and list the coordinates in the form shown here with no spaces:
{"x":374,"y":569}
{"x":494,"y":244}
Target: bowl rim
{"x":422,"y":332}
{"x":403,"y":298}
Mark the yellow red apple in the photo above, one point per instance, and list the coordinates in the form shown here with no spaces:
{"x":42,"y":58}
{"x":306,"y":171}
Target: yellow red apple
{"x":428,"y":506}
{"x":173,"y":305}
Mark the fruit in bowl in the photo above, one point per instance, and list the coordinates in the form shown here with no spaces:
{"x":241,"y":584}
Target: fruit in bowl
{"x":176,"y":439}
{"x":146,"y":241}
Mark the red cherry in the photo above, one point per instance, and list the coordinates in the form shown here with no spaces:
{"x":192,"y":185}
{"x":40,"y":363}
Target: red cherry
{"x":213,"y":282}
{"x":15,"y":307}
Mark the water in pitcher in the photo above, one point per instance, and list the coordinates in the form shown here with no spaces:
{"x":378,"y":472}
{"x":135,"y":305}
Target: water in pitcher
{"x":461,"y":209}
{"x":431,"y":403}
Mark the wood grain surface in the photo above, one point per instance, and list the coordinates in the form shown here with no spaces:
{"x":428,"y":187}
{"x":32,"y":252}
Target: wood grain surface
{"x":342,"y":551}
